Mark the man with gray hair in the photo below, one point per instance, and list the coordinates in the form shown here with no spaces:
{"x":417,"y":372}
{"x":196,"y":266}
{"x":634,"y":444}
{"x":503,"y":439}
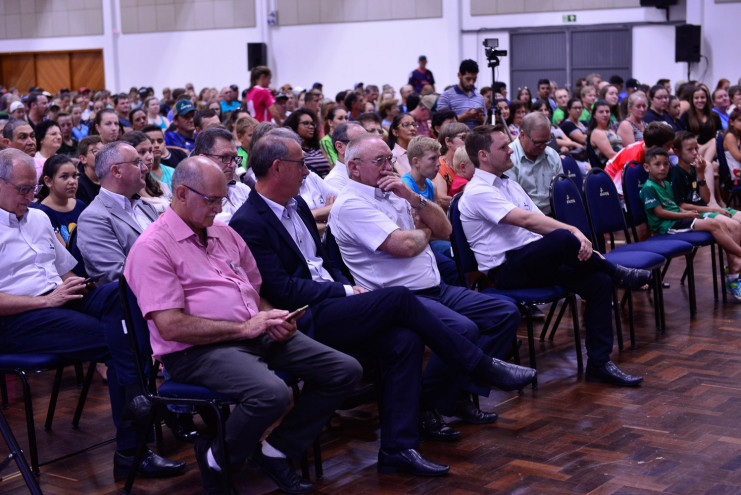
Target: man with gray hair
{"x":343,"y":134}
{"x":108,"y":227}
{"x":45,"y":308}
{"x":20,"y":135}
{"x":536,"y":163}
{"x":212,"y":328}
{"x":217,"y":144}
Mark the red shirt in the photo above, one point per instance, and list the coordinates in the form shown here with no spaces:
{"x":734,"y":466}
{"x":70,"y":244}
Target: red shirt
{"x":258,"y":101}
{"x":457,"y":186}
{"x":616,"y":164}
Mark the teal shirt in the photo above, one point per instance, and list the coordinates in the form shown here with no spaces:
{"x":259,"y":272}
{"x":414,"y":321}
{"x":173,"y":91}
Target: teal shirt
{"x":429,"y":191}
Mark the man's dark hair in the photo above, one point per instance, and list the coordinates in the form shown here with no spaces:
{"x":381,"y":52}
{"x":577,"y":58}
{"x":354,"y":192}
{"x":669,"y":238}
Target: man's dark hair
{"x":85,"y":143}
{"x":368,"y":117}
{"x":658,"y":134}
{"x":480,"y":139}
{"x":350,"y":98}
{"x":413,"y":101}
{"x":340,"y":132}
{"x":468,"y":66}
{"x":439,"y":117}
{"x":268,"y":149}
{"x":662,"y":81}
{"x":497,"y":86}
{"x":544,"y":81}
{"x":615,"y":79}
{"x":206,"y":113}
{"x":178,"y":92}
{"x":206,"y":140}
{"x":152,"y":128}
{"x":340,"y":97}
{"x":33,"y":97}
{"x":11,"y":126}
{"x":654,"y":152}
{"x":680,"y":137}
{"x":120,"y":96}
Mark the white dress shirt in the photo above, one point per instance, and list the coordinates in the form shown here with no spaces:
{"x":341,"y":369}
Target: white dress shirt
{"x":238,"y":194}
{"x":315,"y":191}
{"x":31,"y":257}
{"x":338,"y":177}
{"x":486,"y":200}
{"x":361,"y":219}
{"x":300,"y":234}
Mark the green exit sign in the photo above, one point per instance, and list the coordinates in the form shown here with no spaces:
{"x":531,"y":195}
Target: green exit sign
{"x":569,"y":18}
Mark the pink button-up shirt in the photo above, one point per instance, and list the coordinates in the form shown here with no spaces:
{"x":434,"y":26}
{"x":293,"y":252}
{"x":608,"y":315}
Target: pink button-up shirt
{"x":169,"y":268}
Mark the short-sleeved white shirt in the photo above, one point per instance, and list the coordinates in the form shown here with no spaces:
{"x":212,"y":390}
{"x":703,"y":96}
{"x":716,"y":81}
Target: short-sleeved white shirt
{"x":338,"y":177}
{"x":361,"y":220}
{"x":31,"y":256}
{"x":238,"y":194}
{"x":315,"y":191}
{"x":486,"y":200}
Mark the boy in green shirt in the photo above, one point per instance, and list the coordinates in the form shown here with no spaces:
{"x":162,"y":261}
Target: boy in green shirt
{"x":665,"y":217}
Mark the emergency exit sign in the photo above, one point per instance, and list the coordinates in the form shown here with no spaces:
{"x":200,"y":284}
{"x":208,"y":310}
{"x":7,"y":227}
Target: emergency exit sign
{"x":569,"y":18}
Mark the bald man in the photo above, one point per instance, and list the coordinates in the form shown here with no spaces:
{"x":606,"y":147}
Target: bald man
{"x":230,"y":339}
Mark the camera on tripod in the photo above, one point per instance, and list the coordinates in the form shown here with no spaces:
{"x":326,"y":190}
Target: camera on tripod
{"x":490,"y":46}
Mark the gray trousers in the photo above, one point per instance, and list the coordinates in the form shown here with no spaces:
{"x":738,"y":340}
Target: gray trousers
{"x":243,"y":371}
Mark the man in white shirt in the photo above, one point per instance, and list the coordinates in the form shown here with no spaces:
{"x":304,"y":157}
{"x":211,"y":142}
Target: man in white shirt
{"x":383,"y":230}
{"x":343,"y":134}
{"x":218,"y":145}
{"x":45,"y":308}
{"x":518,"y":246}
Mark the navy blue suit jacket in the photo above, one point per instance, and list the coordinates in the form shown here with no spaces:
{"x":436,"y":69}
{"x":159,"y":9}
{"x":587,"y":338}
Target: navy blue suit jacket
{"x":286,"y":280}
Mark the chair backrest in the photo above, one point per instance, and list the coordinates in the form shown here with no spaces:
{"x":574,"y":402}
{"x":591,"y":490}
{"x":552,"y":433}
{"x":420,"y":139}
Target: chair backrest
{"x":603,"y":205}
{"x":593,"y":159}
{"x":724,"y":172}
{"x":634,"y":176}
{"x":130,"y":307}
{"x":333,"y":251}
{"x":572,"y":171}
{"x":567,"y":205}
{"x":79,"y":268}
{"x":464,"y":258}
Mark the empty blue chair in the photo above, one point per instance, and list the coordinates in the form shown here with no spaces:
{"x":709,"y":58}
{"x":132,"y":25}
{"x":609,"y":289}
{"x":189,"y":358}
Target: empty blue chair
{"x":572,"y":171}
{"x":606,"y":217}
{"x":568,"y":207}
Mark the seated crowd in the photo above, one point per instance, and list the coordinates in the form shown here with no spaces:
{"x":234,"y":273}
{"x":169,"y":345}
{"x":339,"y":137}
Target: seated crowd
{"x":237,"y":208}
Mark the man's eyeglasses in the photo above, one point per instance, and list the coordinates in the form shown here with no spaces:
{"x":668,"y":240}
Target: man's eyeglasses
{"x":227,"y":159}
{"x":380,"y":161}
{"x":308,"y":124}
{"x":536,"y":143}
{"x":211,"y":201}
{"x":24,"y":190}
{"x":406,"y":125}
{"x":301,"y":162}
{"x":137,"y":163}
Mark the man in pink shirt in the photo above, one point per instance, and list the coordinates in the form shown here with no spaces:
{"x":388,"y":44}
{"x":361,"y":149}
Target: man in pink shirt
{"x":259,"y":99}
{"x":211,"y":328}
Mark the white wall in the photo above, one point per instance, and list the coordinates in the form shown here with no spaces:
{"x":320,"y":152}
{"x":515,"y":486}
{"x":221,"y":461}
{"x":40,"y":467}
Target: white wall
{"x":340,"y":55}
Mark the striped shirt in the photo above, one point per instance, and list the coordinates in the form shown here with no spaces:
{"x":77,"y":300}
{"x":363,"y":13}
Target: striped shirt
{"x":458,"y":101}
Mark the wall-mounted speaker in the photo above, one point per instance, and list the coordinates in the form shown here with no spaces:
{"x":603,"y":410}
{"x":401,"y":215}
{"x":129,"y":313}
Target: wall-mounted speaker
{"x":257,"y":54}
{"x":687,"y":44}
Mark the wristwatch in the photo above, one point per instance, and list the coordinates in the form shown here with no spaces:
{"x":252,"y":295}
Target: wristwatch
{"x":702,"y":183}
{"x":422,"y":203}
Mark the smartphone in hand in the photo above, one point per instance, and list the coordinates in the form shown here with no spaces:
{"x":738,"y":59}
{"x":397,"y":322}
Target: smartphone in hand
{"x":295,"y":314}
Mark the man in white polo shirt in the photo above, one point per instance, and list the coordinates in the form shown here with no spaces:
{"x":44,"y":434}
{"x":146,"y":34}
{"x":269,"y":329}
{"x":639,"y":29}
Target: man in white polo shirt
{"x":383,"y":230}
{"x":343,"y":134}
{"x":519,"y":247}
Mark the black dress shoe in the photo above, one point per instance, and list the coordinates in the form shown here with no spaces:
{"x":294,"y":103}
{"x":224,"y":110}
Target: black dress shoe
{"x":212,"y":481}
{"x":152,"y":466}
{"x":631,"y":278}
{"x":609,"y":373}
{"x":182,"y":426}
{"x":409,"y":461}
{"x":436,"y":429}
{"x":281,"y":472}
{"x":469,"y":413}
{"x":507,"y":376}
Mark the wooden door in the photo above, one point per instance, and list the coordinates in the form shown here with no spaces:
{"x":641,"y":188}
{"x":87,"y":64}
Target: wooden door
{"x":53,"y":71}
{"x":18,"y":71}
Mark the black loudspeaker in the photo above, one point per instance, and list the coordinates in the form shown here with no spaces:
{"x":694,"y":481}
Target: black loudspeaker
{"x":687,"y":47}
{"x":658,"y":3}
{"x":257,"y":54}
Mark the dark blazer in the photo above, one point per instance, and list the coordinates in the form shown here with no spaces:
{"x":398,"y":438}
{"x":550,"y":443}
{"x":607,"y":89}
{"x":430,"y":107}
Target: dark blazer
{"x":286,"y":280}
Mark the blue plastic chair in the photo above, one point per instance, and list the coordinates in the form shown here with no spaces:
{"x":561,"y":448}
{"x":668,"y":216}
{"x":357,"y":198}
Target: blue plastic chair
{"x":568,"y":207}
{"x":524,"y":298}
{"x":606,"y":218}
{"x":634,"y":176}
{"x":572,"y":171}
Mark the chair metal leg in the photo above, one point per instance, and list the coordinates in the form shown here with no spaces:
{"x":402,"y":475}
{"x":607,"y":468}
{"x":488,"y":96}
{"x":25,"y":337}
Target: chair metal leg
{"x":140,"y":449}
{"x":662,"y":310}
{"x":657,"y":299}
{"x":722,"y":274}
{"x":577,"y":333}
{"x":83,"y":395}
{"x":17,"y":454}
{"x":632,"y":323}
{"x":32,"y":446}
{"x":561,"y":312}
{"x":715,"y":273}
{"x":531,"y":343}
{"x":548,"y":319}
{"x":616,"y":313}
{"x":689,"y":259}
{"x":53,"y":398}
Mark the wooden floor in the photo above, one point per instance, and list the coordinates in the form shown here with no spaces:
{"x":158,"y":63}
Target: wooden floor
{"x":678,"y":433}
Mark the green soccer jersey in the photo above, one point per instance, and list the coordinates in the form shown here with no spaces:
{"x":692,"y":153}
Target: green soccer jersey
{"x":654,"y":195}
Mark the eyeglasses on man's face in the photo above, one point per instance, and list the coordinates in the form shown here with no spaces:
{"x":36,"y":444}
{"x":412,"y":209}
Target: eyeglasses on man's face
{"x":138,"y":162}
{"x":211,"y":201}
{"x":24,"y":190}
{"x":227,"y":159}
{"x":380,"y":161}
